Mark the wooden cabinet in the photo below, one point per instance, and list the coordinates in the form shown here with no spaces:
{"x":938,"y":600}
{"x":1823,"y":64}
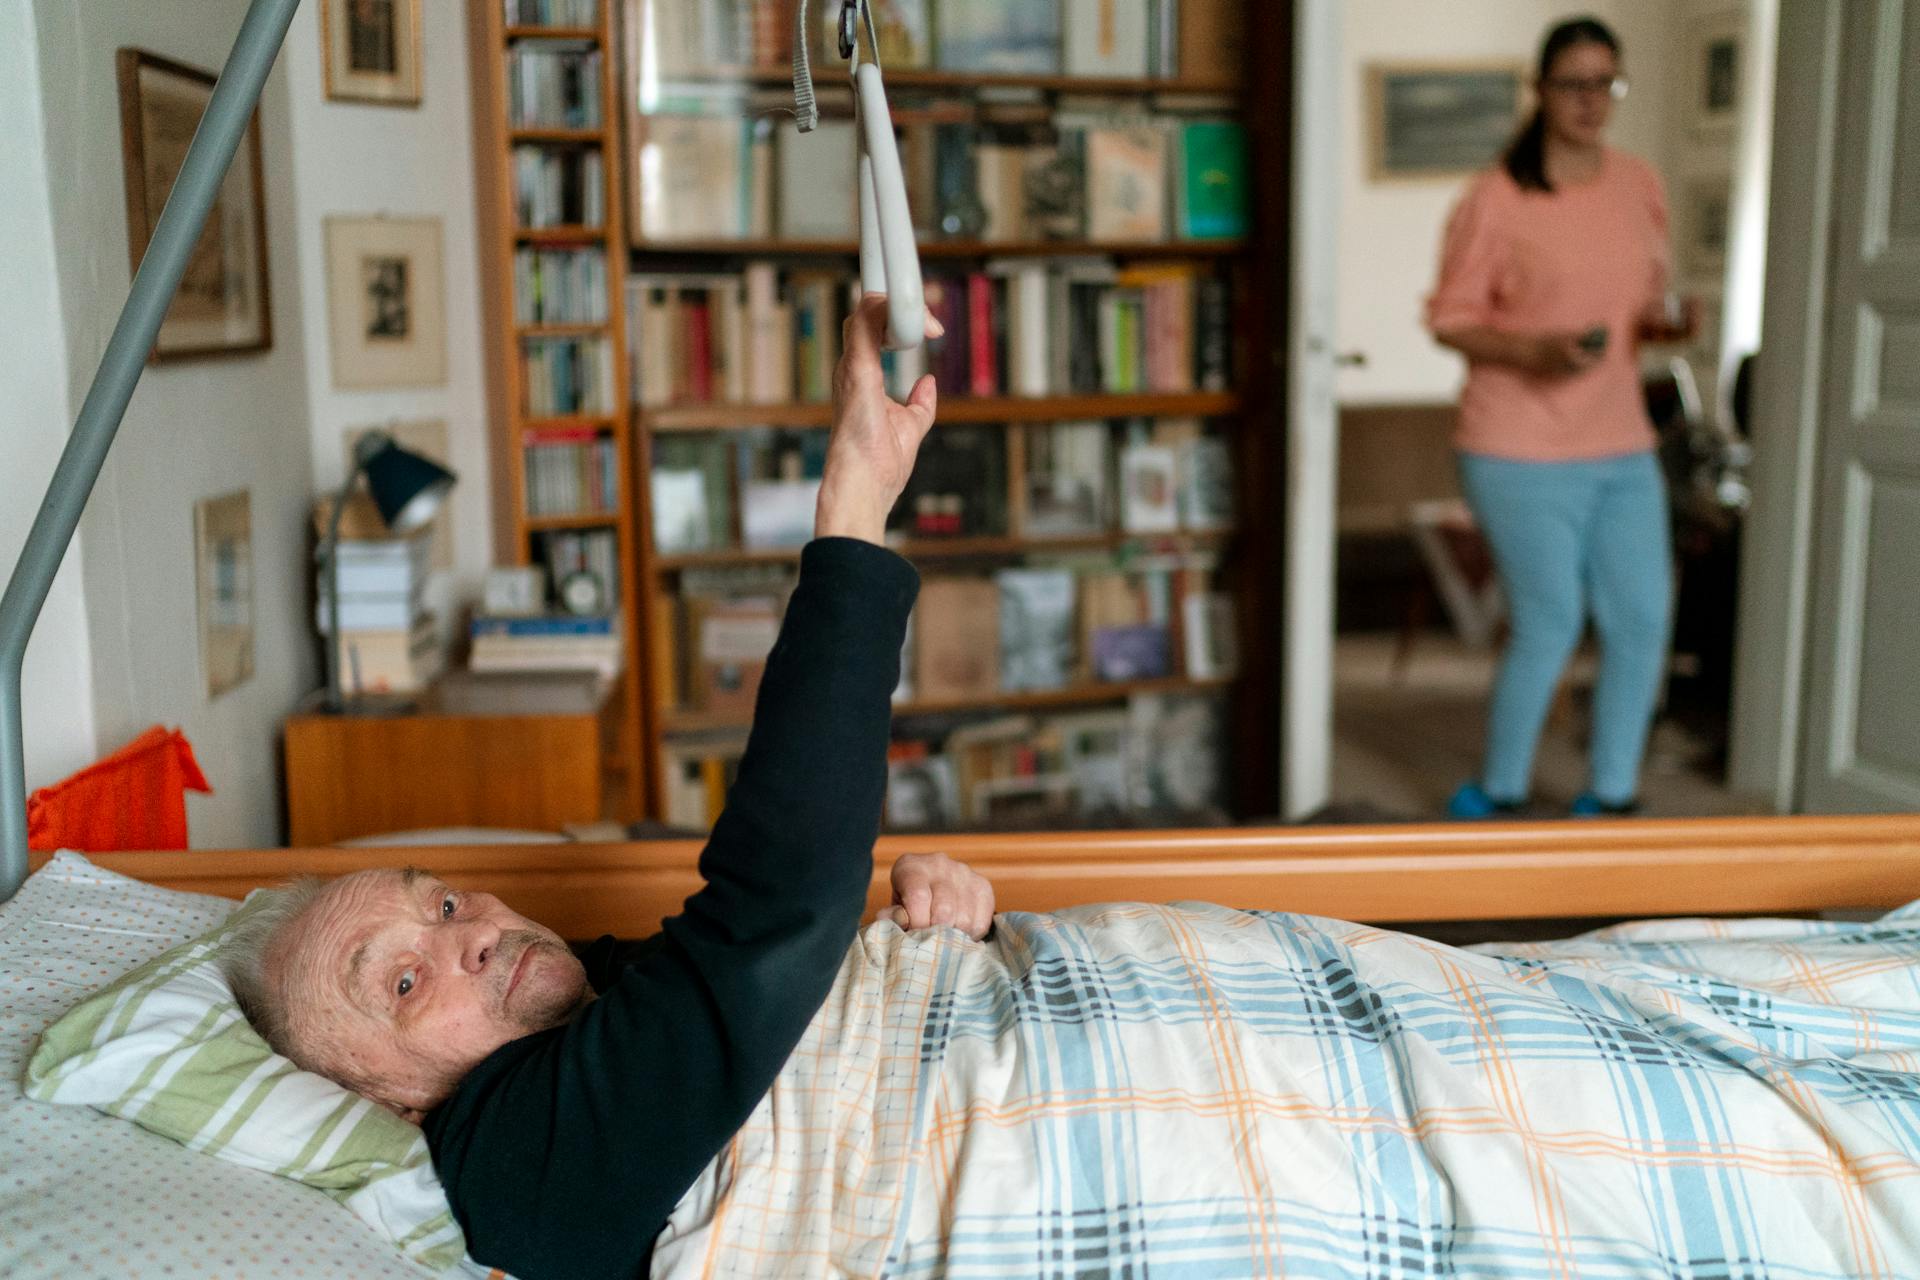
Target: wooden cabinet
{"x":366,"y":774}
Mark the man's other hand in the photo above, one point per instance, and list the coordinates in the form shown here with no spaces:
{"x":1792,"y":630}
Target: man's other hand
{"x":875,"y":439}
{"x":931,"y":889}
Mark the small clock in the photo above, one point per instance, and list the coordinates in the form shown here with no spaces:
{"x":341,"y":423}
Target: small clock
{"x":583,"y":594}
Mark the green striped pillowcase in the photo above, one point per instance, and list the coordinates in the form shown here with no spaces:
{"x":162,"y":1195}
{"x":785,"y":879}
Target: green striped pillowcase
{"x":167,"y":1048}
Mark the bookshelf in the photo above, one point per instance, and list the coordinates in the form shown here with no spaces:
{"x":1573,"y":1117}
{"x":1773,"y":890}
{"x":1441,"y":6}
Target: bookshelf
{"x":513,"y":129}
{"x":641,"y":88}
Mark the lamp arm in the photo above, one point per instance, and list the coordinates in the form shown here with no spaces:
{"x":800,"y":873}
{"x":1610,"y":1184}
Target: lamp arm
{"x":201,"y":173}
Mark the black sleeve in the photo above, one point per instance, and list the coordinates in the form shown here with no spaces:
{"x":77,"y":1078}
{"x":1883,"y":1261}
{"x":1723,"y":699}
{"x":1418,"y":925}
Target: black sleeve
{"x":564,"y":1152}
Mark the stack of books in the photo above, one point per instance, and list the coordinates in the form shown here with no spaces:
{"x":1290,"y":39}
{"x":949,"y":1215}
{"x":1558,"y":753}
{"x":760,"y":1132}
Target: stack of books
{"x":545,"y":642}
{"x":571,"y":472}
{"x":559,"y":286}
{"x":386,"y":643}
{"x":552,"y":13}
{"x":553,"y":84}
{"x":567,"y":376}
{"x":559,"y":187}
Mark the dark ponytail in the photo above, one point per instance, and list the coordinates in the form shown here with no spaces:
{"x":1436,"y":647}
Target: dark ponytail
{"x":1526,"y":156}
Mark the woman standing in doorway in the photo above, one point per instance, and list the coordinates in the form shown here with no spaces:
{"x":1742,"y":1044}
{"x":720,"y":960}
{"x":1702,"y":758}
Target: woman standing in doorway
{"x":1554,"y":270}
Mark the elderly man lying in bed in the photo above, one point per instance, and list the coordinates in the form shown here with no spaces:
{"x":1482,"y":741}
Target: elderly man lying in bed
{"x":1103,"y":1091}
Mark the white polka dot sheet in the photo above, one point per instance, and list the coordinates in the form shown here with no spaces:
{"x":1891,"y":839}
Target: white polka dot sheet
{"x":83,"y":1194}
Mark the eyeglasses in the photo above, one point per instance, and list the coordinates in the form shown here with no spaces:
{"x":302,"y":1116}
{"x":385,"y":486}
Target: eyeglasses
{"x":1614,"y":87}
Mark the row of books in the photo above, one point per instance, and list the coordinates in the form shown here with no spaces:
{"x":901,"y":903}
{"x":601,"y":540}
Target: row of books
{"x":693,"y":480}
{"x":1070,"y":623}
{"x":1020,"y":327}
{"x":1158,"y":758}
{"x":553,"y":84}
{"x":559,"y":186}
{"x":759,"y":336}
{"x":1196,"y":39}
{"x":595,"y":552}
{"x":559,"y":286}
{"x":571,"y":473}
{"x":552,"y":13}
{"x":1068,"y":176}
{"x":566,"y":377}
{"x":1155,"y":758}
{"x":545,"y":642}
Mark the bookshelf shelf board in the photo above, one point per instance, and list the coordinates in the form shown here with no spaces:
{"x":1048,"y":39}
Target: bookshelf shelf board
{"x":549,"y":133}
{"x":681,"y":721}
{"x":952,"y":248}
{"x":560,"y":330}
{"x":552,"y":33}
{"x":560,"y":235}
{"x":725,"y":417}
{"x":828,"y":78}
{"x":958,"y":548}
{"x":584,"y":520}
{"x":532,"y":428}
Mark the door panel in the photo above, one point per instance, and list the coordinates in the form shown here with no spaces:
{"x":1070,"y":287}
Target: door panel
{"x":1863,"y":724}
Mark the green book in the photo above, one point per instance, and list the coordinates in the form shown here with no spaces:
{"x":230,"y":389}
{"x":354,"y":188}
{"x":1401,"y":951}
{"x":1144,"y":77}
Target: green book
{"x":1213,"y":180}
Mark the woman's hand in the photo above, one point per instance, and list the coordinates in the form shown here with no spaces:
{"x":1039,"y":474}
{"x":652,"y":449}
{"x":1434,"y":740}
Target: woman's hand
{"x":1560,"y":355}
{"x":875,"y":439}
{"x":931,"y":889}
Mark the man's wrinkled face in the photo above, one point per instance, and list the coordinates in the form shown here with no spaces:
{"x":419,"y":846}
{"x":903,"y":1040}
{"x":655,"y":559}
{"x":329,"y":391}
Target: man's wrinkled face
{"x":402,"y":984}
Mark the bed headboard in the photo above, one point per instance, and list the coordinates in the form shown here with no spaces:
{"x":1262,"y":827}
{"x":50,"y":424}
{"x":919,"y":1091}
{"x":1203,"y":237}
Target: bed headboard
{"x":1718,"y":866}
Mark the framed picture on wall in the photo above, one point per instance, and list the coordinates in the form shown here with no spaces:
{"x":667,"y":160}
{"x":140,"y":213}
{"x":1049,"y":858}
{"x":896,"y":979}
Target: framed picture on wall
{"x":1439,"y":119}
{"x":372,"y":50}
{"x":1714,"y":48}
{"x":386,"y":309}
{"x":223,"y":571}
{"x":221,"y":307}
{"x":1701,"y":226}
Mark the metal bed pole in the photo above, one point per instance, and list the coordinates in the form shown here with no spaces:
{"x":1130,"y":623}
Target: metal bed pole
{"x":201,"y":173}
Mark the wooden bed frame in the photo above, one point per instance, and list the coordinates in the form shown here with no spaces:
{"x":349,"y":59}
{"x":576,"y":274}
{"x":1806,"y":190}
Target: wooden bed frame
{"x":1506,"y":871}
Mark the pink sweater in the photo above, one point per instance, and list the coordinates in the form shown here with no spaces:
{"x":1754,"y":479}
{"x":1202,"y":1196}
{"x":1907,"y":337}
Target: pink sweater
{"x":1531,"y":262}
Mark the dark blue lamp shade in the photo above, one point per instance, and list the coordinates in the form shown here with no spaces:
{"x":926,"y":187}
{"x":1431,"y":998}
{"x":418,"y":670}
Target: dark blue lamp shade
{"x":406,"y":487}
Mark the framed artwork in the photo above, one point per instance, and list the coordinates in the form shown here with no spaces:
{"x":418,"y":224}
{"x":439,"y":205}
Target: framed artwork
{"x":386,"y":309}
{"x":1701,"y":226}
{"x":221,"y":307}
{"x":428,"y":438}
{"x":223,"y":571}
{"x":1439,"y":119}
{"x":372,"y":50}
{"x":1714,"y":51}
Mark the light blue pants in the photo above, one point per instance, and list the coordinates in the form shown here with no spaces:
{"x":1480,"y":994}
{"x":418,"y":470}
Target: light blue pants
{"x":1569,"y":537}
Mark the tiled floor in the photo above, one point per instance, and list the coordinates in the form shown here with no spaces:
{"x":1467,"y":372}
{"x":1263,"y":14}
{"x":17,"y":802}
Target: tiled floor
{"x":1403,"y":741}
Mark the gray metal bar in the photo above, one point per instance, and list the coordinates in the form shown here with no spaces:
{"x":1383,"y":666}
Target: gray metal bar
{"x":201,"y":174}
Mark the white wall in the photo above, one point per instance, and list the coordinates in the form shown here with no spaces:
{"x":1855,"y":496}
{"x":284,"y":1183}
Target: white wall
{"x":193,"y":430}
{"x":1390,"y":232}
{"x":357,"y":158}
{"x":34,"y":415}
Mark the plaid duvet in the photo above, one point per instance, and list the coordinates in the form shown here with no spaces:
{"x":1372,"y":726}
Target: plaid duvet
{"x":1133,"y":1091}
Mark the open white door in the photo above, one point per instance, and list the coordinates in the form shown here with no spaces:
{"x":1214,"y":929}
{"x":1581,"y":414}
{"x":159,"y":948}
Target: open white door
{"x":1306,"y":686}
{"x":1862,"y":745}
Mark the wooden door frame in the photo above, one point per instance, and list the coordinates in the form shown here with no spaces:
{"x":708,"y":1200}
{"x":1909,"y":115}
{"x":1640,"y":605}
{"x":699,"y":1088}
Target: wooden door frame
{"x":1777,"y":553}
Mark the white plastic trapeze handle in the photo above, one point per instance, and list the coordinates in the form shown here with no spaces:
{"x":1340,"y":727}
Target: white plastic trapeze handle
{"x":889,"y":259}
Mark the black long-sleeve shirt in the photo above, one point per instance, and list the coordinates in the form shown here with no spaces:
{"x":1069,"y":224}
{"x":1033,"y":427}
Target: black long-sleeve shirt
{"x":564,"y":1152}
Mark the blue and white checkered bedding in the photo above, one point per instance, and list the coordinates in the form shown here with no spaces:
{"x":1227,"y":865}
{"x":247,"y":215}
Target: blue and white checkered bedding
{"x":1197,"y":1092}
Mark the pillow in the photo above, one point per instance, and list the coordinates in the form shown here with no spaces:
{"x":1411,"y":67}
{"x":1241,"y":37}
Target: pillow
{"x":166,"y":1047}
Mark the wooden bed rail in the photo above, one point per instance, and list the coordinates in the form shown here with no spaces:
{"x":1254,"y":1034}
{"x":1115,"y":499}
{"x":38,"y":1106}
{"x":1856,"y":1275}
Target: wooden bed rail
{"x":1715,"y":866}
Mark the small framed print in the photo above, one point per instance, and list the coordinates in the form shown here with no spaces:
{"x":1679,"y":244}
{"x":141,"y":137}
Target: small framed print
{"x":221,"y":306}
{"x":1439,"y":120}
{"x":386,"y":309}
{"x":372,"y":50}
{"x":1702,"y":226}
{"x":1714,"y":48}
{"x":223,"y":571}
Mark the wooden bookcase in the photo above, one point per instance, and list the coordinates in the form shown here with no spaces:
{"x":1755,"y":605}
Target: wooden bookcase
{"x":516,"y":531}
{"x":1248,"y":554}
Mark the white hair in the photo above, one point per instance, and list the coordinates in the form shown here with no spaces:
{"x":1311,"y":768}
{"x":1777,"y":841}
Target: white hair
{"x":244,"y":961}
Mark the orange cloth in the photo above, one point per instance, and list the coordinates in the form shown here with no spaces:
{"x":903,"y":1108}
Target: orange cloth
{"x":1566,"y":260}
{"x":134,"y":799}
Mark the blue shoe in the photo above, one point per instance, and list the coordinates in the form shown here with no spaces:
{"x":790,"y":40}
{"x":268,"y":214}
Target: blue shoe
{"x":1471,"y":801}
{"x":1589,"y":805}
